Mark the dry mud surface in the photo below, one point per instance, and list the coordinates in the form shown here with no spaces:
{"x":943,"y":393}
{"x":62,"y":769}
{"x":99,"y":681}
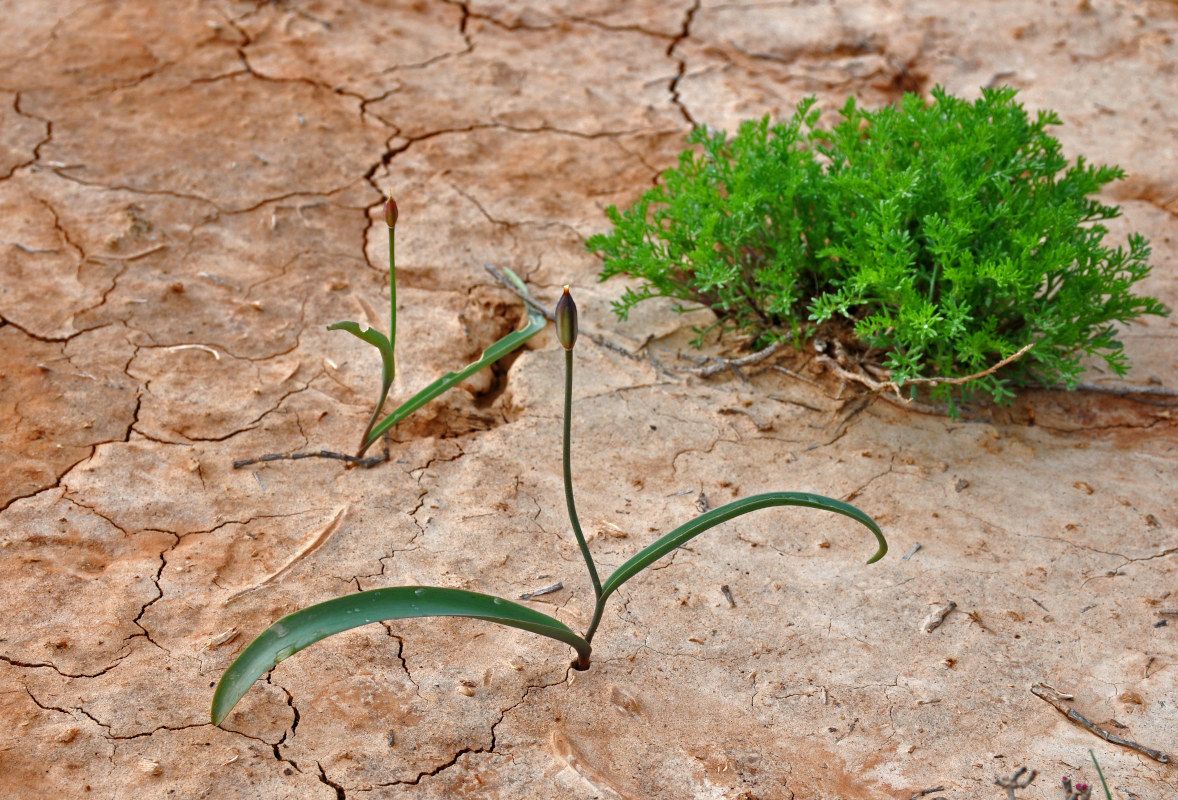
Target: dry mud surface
{"x":190,"y":193}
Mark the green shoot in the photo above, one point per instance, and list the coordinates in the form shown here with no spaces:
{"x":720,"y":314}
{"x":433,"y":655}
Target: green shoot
{"x":1100,"y":774}
{"x":302,"y":628}
{"x":566,"y":326}
{"x":386,"y":346}
{"x":498,"y":350}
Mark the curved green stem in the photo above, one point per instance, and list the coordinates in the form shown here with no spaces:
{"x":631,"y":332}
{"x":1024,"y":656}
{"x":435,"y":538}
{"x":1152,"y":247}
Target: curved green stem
{"x":392,"y":304}
{"x":598,"y":609}
{"x":568,"y":480}
{"x":386,"y":384}
{"x":388,"y":359}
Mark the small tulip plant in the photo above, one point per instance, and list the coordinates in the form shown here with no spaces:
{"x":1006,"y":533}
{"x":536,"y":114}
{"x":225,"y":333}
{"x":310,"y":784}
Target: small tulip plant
{"x":385,"y":345}
{"x":309,"y":625}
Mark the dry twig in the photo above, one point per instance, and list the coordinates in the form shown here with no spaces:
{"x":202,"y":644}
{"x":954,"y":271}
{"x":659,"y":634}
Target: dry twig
{"x":923,"y":792}
{"x":884,"y":386}
{"x":1058,"y":700}
{"x":721,"y":364}
{"x":1013,"y":782}
{"x":310,"y":547}
{"x":556,"y":587}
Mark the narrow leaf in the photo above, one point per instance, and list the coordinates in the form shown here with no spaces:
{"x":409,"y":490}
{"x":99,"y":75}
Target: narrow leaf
{"x":307,"y":626}
{"x":492,"y":354}
{"x":370,"y":335}
{"x":711,"y":519}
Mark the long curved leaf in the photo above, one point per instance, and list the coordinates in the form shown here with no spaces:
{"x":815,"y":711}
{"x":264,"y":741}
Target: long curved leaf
{"x":492,"y":354}
{"x":710,"y":519}
{"x":367,"y":334}
{"x":307,"y":626}
{"x":377,"y":340}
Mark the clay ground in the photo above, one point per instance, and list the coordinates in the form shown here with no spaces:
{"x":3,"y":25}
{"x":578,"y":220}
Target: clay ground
{"x":190,"y":192}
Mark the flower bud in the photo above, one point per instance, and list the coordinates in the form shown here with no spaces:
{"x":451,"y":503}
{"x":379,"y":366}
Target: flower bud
{"x":390,"y":211}
{"x":566,"y":320}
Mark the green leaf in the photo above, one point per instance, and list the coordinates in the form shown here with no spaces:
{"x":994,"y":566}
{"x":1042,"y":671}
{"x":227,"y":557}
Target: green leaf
{"x":711,"y":519}
{"x":492,"y":354}
{"x":370,"y":335}
{"x":307,"y":626}
{"x":377,"y":340}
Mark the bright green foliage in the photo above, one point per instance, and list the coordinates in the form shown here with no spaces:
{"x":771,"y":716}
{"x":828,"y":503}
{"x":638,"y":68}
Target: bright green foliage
{"x":946,"y":236}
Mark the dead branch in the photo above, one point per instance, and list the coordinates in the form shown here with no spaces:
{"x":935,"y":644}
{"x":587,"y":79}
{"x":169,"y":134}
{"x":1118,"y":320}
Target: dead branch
{"x":721,"y":364}
{"x":1014,"y":782}
{"x":310,"y":547}
{"x":1058,"y":700}
{"x":891,"y":386}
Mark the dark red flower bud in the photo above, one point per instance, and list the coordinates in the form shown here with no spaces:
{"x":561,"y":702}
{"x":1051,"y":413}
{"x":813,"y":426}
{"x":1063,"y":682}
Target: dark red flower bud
{"x":566,"y":320}
{"x":390,"y":211}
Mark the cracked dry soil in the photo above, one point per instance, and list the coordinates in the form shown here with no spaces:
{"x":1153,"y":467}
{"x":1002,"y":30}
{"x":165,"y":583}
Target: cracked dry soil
{"x":190,"y":192}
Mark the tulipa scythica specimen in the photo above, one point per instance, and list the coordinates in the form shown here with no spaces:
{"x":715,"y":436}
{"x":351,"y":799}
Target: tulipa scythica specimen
{"x":309,"y":625}
{"x":566,"y":331}
{"x":388,"y":365}
{"x":386,"y":345}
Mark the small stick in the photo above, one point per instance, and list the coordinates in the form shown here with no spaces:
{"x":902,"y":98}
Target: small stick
{"x":923,"y":792}
{"x":129,"y":257}
{"x":203,"y":347}
{"x":934,"y":620}
{"x":370,"y":461}
{"x":1013,"y":782}
{"x":556,"y":587}
{"x":724,"y":590}
{"x":1056,"y":699}
{"x":956,"y":381}
{"x":310,"y":547}
{"x":221,"y":639}
{"x":882,"y":386}
{"x":1036,"y":602}
{"x":912,"y":552}
{"x":722,"y":364}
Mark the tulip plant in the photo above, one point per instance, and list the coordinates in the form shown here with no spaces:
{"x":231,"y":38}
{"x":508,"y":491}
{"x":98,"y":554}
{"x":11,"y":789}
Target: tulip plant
{"x":385,"y":345}
{"x":307,"y":626}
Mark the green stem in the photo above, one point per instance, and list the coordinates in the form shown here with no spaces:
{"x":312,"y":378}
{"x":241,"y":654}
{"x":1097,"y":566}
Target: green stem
{"x":598,"y":609}
{"x":392,"y":303}
{"x":388,"y":360}
{"x":568,"y":480}
{"x":386,"y":384}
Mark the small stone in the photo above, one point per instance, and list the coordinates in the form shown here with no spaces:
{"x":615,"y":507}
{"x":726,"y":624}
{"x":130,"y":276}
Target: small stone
{"x":149,"y":766}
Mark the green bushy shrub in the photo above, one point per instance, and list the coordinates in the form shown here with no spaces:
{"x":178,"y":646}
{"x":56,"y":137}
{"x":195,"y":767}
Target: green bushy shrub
{"x":940,"y":238}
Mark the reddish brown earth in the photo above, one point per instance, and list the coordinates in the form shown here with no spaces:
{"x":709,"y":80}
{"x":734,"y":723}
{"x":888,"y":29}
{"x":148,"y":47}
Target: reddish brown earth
{"x":190,"y":192}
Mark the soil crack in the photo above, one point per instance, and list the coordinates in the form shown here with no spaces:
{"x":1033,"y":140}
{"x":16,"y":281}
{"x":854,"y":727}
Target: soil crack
{"x":673,"y":88}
